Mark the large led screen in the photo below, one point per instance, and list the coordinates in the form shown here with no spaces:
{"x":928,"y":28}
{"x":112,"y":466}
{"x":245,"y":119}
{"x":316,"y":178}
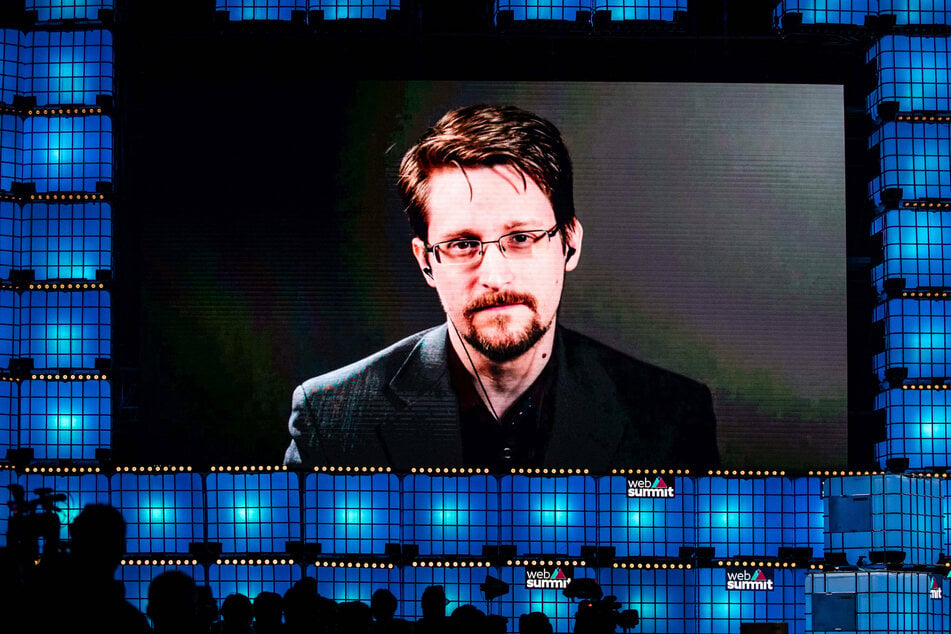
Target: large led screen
{"x":270,"y":246}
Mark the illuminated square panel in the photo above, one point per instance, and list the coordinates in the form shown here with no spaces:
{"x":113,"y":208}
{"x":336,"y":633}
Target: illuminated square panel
{"x":461,"y":586}
{"x":253,"y":513}
{"x":349,"y":584}
{"x":68,"y":67}
{"x":9,"y":64}
{"x":8,"y":249}
{"x":828,"y":11}
{"x":250,"y":580}
{"x":8,"y":333}
{"x":69,"y":329}
{"x":775,"y":598}
{"x":450,"y":515}
{"x":551,"y":602}
{"x":914,"y":157}
{"x":877,"y":602}
{"x":642,"y":524}
{"x":917,"y":12}
{"x":163,"y":513}
{"x":884,"y":512}
{"x":260,"y":9}
{"x":912,"y":71}
{"x":545,"y":9}
{"x":917,"y":427}
{"x":352,"y":514}
{"x":73,"y":493}
{"x":65,"y":420}
{"x":655,"y":10}
{"x":66,"y":153}
{"x":136,"y":578}
{"x":63,"y":241}
{"x":58,"y":10}
{"x":10,"y":128}
{"x":802,"y":519}
{"x":741,"y":516}
{"x":7,"y":477}
{"x":916,"y":337}
{"x":548,"y":515}
{"x":9,"y":429}
{"x":350,"y":9}
{"x":916,"y":246}
{"x":664,"y":599}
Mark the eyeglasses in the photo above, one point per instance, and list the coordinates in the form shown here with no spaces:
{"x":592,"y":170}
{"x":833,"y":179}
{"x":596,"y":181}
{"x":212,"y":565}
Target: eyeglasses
{"x":514,"y":246}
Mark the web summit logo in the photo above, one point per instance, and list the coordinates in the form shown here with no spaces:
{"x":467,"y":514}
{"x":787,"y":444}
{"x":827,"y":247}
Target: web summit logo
{"x":746,"y":580}
{"x":644,"y":488}
{"x":548,"y":577}
{"x":935,"y":591}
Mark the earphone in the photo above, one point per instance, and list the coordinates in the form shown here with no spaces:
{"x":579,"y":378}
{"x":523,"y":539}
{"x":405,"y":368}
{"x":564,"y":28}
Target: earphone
{"x":571,"y":252}
{"x":428,"y":272}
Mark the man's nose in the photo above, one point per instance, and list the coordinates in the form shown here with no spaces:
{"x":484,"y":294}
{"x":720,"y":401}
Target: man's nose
{"x":495,"y":270}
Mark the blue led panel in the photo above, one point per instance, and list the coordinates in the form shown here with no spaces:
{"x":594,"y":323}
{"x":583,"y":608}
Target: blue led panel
{"x":655,"y":10}
{"x":136,"y":577}
{"x":9,"y":425}
{"x":551,"y":602}
{"x":645,"y":526}
{"x":68,"y":67}
{"x":9,"y":64}
{"x":828,"y":11}
{"x":915,"y":157}
{"x":450,"y":515}
{"x":916,"y":427}
{"x":260,"y":9}
{"x":884,"y":602}
{"x":912,"y":71}
{"x":741,"y":516}
{"x":66,"y":153}
{"x":802,"y":518}
{"x":347,"y":584}
{"x":348,"y":9}
{"x":80,"y":490}
{"x":884,"y":512}
{"x":8,"y":250}
{"x":548,"y":515}
{"x":916,"y":247}
{"x":8,"y":340}
{"x":163,"y":513}
{"x":253,"y":513}
{"x":916,"y":337}
{"x":545,"y":9}
{"x":461,"y":586}
{"x":63,"y":241}
{"x":7,"y":477}
{"x":58,"y":10}
{"x":352,"y":514}
{"x":250,"y":580}
{"x":64,"y":329}
{"x":664,"y":599}
{"x":9,"y":140}
{"x":917,"y":12}
{"x":65,"y":420}
{"x":720,"y":609}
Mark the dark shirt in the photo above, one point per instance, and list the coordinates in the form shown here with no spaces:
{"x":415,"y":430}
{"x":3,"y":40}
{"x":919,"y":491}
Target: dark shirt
{"x":520,"y":438}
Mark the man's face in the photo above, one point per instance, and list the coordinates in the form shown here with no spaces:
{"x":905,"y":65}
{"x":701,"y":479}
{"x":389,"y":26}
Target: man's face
{"x":502,"y":306}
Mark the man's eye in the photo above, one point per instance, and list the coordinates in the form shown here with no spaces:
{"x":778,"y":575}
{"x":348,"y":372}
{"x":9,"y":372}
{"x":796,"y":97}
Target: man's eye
{"x":521,"y":239}
{"x":462,"y":245}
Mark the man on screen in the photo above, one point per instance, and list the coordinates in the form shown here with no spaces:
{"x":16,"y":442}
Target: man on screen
{"x":488,"y":193}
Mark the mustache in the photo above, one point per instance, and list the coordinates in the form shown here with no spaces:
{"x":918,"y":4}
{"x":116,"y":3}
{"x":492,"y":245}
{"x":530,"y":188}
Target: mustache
{"x":502,"y":298}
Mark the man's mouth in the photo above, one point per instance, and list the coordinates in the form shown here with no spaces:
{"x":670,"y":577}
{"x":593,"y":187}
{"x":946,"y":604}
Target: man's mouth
{"x":499,"y":301}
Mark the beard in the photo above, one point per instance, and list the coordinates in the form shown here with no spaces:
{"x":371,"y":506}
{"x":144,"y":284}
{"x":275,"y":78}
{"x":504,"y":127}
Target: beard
{"x":495,"y":340}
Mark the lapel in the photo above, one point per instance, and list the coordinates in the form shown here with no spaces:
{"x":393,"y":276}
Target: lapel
{"x":423,"y":430}
{"x":589,"y":421}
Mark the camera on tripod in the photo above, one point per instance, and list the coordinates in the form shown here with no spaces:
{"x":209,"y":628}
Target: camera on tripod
{"x":598,"y":614}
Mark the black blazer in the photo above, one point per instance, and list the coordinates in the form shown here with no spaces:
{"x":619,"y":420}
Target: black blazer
{"x":397,"y":408}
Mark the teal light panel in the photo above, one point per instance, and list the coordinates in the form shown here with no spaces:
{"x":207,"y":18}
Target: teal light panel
{"x":350,"y":9}
{"x":62,"y":241}
{"x":9,"y":65}
{"x":719,"y":609}
{"x":65,"y":420}
{"x":548,"y":515}
{"x":80,"y":490}
{"x":450,"y":515}
{"x":347,"y":584}
{"x":646,"y":526}
{"x":851,"y":12}
{"x":68,"y":67}
{"x":66,"y":153}
{"x":9,"y":151}
{"x":163,"y":513}
{"x":917,"y":12}
{"x":9,"y":423}
{"x":918,"y":427}
{"x":653,"y":10}
{"x":352,"y":514}
{"x":912,"y":71}
{"x":915,"y":157}
{"x":250,"y":580}
{"x":137,"y":577}
{"x":545,"y":9}
{"x":253,"y":513}
{"x":916,"y":337}
{"x":59,"y":10}
{"x":260,"y":9}
{"x":916,"y":247}
{"x":64,"y":329}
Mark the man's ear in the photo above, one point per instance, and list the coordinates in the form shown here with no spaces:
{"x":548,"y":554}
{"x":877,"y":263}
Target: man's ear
{"x":422,"y":259}
{"x":573,"y":235}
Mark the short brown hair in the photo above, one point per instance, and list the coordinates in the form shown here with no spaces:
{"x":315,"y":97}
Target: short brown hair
{"x":486,"y":135}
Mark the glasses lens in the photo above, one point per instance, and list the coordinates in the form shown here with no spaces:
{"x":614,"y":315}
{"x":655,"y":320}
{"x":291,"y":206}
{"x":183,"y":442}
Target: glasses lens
{"x":459,"y":251}
{"x":521,"y":245}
